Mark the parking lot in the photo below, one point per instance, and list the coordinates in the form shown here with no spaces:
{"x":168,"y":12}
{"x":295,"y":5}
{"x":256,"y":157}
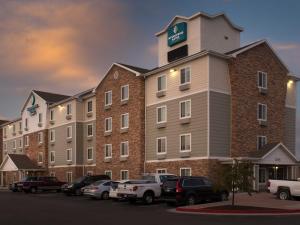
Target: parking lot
{"x":57,"y":209}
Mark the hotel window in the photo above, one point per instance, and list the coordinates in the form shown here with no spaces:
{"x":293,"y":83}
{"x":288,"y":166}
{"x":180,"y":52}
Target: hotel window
{"x":40,"y":118}
{"x":108,"y":173}
{"x":124,"y":92}
{"x":185,"y":75}
{"x":108,"y":98}
{"x":52,"y":135}
{"x":69,"y":132}
{"x":108,"y":124}
{"x":108,"y":151}
{"x":89,"y":106}
{"x":5,"y":131}
{"x":261,"y":141}
{"x":20,"y":143}
{"x":161,"y":114}
{"x":20,"y":126}
{"x":52,"y":174}
{"x":161,"y":145}
{"x":26,"y":123}
{"x":185,"y":109}
{"x":14,"y":129}
{"x":69,"y":109}
{"x":124,"y":175}
{"x":124,"y":148}
{"x":185,"y":142}
{"x":185,"y":172}
{"x":124,"y":121}
{"x":4,"y":146}
{"x":14,"y":144}
{"x":40,"y":157}
{"x":40,"y":137}
{"x":89,"y":173}
{"x":52,"y":115}
{"x":160,"y":171}
{"x":262,"y":79}
{"x":90,"y":130}
{"x":262,"y":112}
{"x":26,"y":141}
{"x":161,"y":83}
{"x":52,"y":156}
{"x":90,"y":153}
{"x":69,"y":177}
{"x":69,"y":154}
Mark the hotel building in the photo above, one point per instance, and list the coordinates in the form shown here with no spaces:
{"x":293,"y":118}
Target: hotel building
{"x":209,"y":101}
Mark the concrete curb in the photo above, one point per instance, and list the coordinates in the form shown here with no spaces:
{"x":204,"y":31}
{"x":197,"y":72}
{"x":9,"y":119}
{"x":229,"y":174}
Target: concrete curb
{"x":206,"y":211}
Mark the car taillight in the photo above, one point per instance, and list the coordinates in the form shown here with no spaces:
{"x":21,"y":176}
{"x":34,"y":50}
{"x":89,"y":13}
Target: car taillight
{"x":178,"y":187}
{"x":135,"y":188}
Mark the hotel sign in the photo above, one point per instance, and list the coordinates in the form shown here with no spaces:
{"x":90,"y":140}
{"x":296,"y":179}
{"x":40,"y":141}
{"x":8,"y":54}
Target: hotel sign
{"x":33,"y":107}
{"x":177,"y":33}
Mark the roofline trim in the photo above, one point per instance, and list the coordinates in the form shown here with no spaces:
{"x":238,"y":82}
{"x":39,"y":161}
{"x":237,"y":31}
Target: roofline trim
{"x":197,"y":15}
{"x":284,"y":147}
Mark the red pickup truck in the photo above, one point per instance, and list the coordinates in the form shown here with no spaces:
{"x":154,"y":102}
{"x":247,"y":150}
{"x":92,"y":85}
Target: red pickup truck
{"x":42,"y":184}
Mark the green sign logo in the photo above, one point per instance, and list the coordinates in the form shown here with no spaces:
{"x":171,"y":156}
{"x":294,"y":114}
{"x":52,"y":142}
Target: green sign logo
{"x":177,"y":33}
{"x":33,"y":107}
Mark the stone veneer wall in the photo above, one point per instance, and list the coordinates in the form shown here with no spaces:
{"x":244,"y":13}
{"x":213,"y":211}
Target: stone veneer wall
{"x":245,"y":97}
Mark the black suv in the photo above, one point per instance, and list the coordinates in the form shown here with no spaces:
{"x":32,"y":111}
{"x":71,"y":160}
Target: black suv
{"x":75,"y":187}
{"x":18,"y":186}
{"x":191,"y":190}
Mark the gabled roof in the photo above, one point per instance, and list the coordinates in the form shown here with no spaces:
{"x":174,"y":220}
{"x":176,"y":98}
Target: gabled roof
{"x":206,"y":15}
{"x":21,"y":162}
{"x":50,"y":97}
{"x":138,"y":69}
{"x":236,"y":52}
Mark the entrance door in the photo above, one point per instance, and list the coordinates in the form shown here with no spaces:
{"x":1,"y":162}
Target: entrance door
{"x":262,"y":178}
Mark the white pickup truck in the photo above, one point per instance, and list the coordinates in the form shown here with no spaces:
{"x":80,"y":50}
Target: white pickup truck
{"x":284,"y":189}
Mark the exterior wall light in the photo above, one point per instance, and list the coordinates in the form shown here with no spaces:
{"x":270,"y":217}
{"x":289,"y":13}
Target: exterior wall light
{"x":60,"y":107}
{"x":172,"y":70}
{"x":290,"y":83}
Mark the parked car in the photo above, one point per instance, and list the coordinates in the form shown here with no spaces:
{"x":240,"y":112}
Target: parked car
{"x":284,"y":189}
{"x":158,"y":177}
{"x":145,"y":190}
{"x":75,"y":187}
{"x":191,"y":190}
{"x":98,"y":190}
{"x":113,"y":192}
{"x":18,"y":186}
{"x":42,"y":184}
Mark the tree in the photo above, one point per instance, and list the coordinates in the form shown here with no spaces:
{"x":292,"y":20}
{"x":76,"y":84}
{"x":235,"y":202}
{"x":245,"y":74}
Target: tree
{"x":237,"y":176}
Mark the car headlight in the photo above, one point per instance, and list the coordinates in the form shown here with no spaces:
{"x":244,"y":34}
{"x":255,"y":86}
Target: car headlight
{"x":71,"y":185}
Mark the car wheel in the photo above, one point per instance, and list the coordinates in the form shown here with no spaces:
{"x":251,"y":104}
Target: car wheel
{"x":105,"y":195}
{"x":283,"y":194}
{"x":191,"y":200}
{"x":78,"y":192}
{"x":33,"y":190}
{"x":148,"y":198}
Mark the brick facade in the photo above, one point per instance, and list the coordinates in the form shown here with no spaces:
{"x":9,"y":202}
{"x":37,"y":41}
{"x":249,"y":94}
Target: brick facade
{"x":61,"y":172}
{"x":245,"y":96}
{"x":135,"y":135}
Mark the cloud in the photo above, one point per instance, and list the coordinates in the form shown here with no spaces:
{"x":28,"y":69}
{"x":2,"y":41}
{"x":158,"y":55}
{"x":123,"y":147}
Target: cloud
{"x":286,"y":46}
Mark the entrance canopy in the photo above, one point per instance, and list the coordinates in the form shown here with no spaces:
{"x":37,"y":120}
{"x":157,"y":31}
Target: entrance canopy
{"x":274,"y":154}
{"x":17,"y":162}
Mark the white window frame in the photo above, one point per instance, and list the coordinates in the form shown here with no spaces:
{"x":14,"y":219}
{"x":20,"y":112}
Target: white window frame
{"x":4,"y":146}
{"x":108,"y":157}
{"x":181,"y":135}
{"x":42,"y":157}
{"x":87,"y":105}
{"x":107,"y":119}
{"x":121,"y":171}
{"x":20,"y":143}
{"x":26,"y":123}
{"x":87,"y":153}
{"x":14,"y":128}
{"x":109,"y":173}
{"x":40,"y":117}
{"x":52,"y":139}
{"x":71,"y":154}
{"x":4,"y":131}
{"x":26,"y":141}
{"x":71,"y":176}
{"x":161,"y":170}
{"x":124,"y":86}
{"x":166,"y":145}
{"x":266,"y":112}
{"x":20,"y":126}
{"x":14,"y":144}
{"x":166,"y":112}
{"x":185,"y":168}
{"x":52,"y":153}
{"x":257,"y":141}
{"x":184,"y":68}
{"x":40,"y":137}
{"x":69,"y":109}
{"x":121,"y":144}
{"x":264,"y":74}
{"x":87,"y":130}
{"x":185,"y":101}
{"x":52,"y":115}
{"x":157,"y":80}
{"x":70,"y":131}
{"x":123,"y":115}
{"x":105,"y":98}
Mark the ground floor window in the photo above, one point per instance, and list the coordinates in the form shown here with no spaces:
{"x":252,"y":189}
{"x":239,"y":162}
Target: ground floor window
{"x":262,"y":175}
{"x":69,"y":177}
{"x":108,"y":173}
{"x":185,"y":171}
{"x":52,"y":174}
{"x":89,"y":173}
{"x":124,"y":175}
{"x":161,"y":171}
{"x":40,"y":157}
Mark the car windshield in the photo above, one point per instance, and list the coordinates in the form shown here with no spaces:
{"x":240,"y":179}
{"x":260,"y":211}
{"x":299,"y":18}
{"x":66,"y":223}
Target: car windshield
{"x":170,"y":183}
{"x":29,"y":179}
{"x":149,"y":177}
{"x":163,"y":178}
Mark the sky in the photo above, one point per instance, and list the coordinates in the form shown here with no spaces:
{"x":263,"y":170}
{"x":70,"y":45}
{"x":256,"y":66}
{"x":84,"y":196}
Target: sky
{"x":66,"y":46}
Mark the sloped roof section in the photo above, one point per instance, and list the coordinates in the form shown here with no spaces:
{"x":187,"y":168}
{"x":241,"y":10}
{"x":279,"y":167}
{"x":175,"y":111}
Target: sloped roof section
{"x":135,"y":68}
{"x":23,"y":162}
{"x":50,"y":97}
{"x":263,"y":151}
